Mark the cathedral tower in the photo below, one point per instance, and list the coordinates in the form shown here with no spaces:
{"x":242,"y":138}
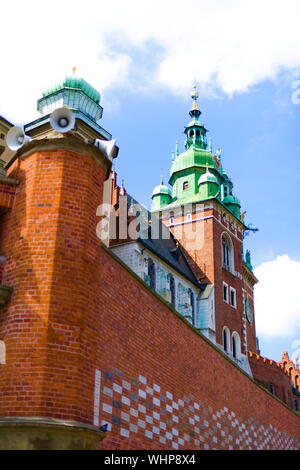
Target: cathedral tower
{"x":206,"y":219}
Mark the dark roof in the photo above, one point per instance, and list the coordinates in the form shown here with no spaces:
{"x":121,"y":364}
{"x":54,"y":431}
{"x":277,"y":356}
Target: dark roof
{"x":169,"y":252}
{"x":164,"y":245}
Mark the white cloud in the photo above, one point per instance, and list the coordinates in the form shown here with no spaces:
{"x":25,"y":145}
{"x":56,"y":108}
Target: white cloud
{"x":277,"y":299}
{"x":231,"y":44}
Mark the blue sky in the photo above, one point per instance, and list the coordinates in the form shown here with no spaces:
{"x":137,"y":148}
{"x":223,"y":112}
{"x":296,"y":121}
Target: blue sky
{"x":143,"y":57}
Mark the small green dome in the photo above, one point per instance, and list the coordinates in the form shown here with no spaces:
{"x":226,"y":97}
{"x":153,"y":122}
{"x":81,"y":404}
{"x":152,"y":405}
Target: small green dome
{"x":232,"y":200}
{"x":208,"y":177}
{"x":161,"y":189}
{"x":75,"y":83}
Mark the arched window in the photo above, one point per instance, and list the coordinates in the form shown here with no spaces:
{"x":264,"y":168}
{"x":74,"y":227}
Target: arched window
{"x":192,"y":134}
{"x":236,"y":345}
{"x":185,"y":185}
{"x":151,"y":274}
{"x":226,"y":339}
{"x":192,"y":303}
{"x":172,"y":288}
{"x":2,"y":353}
{"x":197,"y":133}
{"x":227,"y":252}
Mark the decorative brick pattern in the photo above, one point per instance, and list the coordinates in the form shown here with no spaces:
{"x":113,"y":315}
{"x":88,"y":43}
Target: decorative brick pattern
{"x":183,"y":423}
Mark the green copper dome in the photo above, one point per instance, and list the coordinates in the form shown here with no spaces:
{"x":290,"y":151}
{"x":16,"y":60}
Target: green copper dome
{"x":232,"y":200}
{"x":233,"y":204}
{"x":161,"y":189}
{"x":73,"y":93}
{"x":193,"y":157}
{"x":75,"y":83}
{"x":208,"y":177}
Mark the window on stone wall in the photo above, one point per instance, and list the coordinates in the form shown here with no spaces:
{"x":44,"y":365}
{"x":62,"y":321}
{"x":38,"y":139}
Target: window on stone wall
{"x":192,"y":303}
{"x":172,"y":288}
{"x":185,"y":185}
{"x":151,"y":274}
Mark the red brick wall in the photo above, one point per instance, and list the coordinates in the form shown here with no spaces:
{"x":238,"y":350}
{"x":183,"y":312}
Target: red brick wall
{"x":269,"y":372}
{"x":7,"y":195}
{"x":49,"y":240}
{"x":75,"y":310}
{"x":153,"y":342}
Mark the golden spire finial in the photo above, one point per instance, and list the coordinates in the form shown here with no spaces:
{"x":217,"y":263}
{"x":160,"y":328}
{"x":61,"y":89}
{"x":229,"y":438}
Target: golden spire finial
{"x":74,"y":70}
{"x":195,"y":94}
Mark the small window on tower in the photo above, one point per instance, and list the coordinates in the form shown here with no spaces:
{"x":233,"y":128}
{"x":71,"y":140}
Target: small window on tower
{"x":227,"y":253}
{"x":188,"y":217}
{"x":232,"y":297}
{"x":225,"y":292}
{"x":185,"y":185}
{"x":272,"y":389}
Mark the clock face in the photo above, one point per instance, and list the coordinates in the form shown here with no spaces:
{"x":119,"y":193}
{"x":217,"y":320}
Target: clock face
{"x":249,"y":313}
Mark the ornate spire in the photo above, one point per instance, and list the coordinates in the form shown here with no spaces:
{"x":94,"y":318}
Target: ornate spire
{"x":195,"y":111}
{"x":161,"y":177}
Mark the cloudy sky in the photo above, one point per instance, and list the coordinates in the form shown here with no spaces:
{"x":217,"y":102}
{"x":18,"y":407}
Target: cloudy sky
{"x":143,"y":57}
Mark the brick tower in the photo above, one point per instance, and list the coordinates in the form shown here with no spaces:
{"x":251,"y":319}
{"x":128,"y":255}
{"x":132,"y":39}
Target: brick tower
{"x":206,"y":219}
{"x":51,"y":253}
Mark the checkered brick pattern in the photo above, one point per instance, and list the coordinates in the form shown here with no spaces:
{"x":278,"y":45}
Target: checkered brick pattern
{"x":134,"y":405}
